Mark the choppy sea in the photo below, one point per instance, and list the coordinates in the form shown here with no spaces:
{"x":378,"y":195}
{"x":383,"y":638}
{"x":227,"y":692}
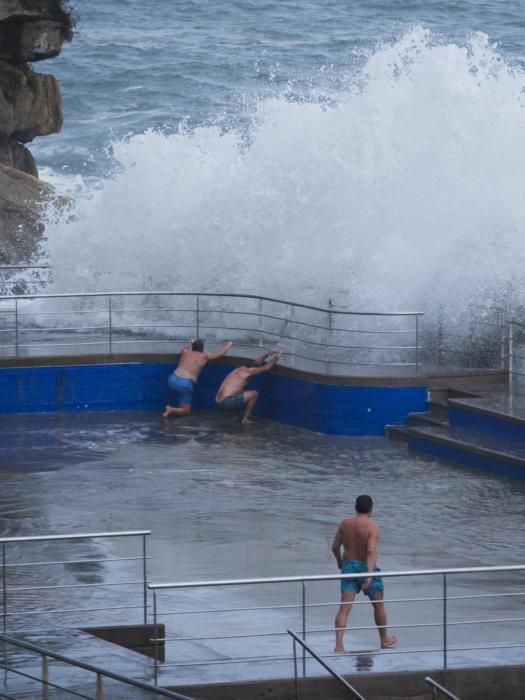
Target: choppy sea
{"x":370,"y":152}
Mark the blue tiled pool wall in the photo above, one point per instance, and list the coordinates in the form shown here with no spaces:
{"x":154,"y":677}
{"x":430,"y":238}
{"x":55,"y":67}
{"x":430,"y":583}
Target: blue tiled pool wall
{"x":496,"y":426}
{"x":330,"y":409}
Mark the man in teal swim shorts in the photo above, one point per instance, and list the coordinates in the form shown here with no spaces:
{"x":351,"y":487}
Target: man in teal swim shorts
{"x":358,"y":536}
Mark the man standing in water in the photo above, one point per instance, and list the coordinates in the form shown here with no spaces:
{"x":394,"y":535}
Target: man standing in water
{"x":232,"y":396}
{"x":191,"y":362}
{"x":358,"y":536}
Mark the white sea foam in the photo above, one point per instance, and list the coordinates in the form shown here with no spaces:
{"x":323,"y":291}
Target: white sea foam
{"x":405,"y":192}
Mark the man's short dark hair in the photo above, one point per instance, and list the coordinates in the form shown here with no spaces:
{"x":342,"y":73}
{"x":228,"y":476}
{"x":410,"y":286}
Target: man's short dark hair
{"x":198,"y":345}
{"x":363,"y":504}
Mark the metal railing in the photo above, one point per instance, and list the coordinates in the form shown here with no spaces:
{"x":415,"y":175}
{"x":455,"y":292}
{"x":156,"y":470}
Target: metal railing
{"x":22,"y":581}
{"x":44,"y":685}
{"x":437,"y":688}
{"x":263,"y":623}
{"x":320,"y":339}
{"x":319,"y":659}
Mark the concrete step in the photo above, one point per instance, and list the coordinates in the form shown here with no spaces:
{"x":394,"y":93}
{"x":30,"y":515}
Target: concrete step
{"x":468,"y":448}
{"x":426,"y":418}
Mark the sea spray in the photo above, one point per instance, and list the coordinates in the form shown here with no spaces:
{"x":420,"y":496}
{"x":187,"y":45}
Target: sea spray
{"x":402,"y":191}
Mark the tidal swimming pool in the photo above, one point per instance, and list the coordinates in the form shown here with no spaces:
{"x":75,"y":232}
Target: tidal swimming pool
{"x":225,"y":501}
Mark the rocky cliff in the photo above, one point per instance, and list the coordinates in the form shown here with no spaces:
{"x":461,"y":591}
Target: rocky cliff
{"x":30,"y":106}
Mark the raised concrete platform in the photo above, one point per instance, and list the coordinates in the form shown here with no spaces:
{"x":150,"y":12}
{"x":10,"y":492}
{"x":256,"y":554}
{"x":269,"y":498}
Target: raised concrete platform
{"x":483,"y":431}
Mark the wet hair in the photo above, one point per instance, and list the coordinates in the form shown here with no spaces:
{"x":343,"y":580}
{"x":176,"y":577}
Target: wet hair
{"x":363,"y":504}
{"x":198,"y":345}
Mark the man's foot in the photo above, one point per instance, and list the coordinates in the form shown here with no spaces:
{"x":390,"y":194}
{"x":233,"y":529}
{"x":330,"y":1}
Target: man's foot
{"x":168,"y":410}
{"x":389,"y":642}
{"x":340,"y":650}
{"x":246,"y":421}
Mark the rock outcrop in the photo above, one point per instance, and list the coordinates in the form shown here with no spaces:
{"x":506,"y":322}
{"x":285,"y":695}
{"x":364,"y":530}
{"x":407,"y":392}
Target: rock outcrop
{"x":30,"y":106}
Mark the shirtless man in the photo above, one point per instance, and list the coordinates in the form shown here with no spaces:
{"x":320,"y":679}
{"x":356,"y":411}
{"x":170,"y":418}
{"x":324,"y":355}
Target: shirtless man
{"x":232,"y":396}
{"x":192,"y":360}
{"x":359,"y":537}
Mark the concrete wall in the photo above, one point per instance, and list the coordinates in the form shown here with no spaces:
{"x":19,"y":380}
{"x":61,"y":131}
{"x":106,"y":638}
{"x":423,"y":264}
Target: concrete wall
{"x":321,"y":404}
{"x":493,"y":683}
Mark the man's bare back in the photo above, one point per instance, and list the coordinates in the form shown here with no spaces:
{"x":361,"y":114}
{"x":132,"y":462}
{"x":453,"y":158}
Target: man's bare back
{"x":234,"y":383}
{"x":190,"y":364}
{"x":355,"y":534}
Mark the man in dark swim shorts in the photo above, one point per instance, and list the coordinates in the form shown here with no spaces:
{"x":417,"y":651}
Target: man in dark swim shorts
{"x":359,"y":537}
{"x":232,"y":395}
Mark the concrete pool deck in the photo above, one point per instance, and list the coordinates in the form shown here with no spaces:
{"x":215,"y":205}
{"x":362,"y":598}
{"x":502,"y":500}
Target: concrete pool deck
{"x":225,"y":501}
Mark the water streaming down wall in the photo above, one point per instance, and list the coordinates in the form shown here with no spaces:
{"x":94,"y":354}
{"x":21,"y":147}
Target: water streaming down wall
{"x":402,"y":191}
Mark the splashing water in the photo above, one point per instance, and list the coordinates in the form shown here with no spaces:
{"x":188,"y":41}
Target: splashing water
{"x":404,"y":190}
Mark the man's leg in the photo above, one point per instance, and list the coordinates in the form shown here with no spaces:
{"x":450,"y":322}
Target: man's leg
{"x":347,"y":598}
{"x":183,"y":410}
{"x":250,"y":398}
{"x":380,"y":619}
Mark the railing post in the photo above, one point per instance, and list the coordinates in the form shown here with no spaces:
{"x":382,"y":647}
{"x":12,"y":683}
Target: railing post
{"x":304,"y":625}
{"x":16,"y":327}
{"x":144,"y":577}
{"x":197,"y":319}
{"x":4,"y":586}
{"x":261,"y":325}
{"x":110,"y":326}
{"x":445,"y":622}
{"x":100,"y":687}
{"x":45,"y":678}
{"x":295,"y":670}
{"x":328,"y":336}
{"x":511,"y":352}
{"x":293,"y":342}
{"x":155,"y":641}
{"x":417,"y":344}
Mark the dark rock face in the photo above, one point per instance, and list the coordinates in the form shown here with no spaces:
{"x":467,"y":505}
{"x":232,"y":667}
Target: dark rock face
{"x":30,"y":106}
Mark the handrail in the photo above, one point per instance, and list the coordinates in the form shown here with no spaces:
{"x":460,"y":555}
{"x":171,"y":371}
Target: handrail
{"x":210,"y":294}
{"x":7,"y":590}
{"x":323,"y":663}
{"x":88,"y":535}
{"x":333,"y":577}
{"x":440,"y":688}
{"x":94,"y":669}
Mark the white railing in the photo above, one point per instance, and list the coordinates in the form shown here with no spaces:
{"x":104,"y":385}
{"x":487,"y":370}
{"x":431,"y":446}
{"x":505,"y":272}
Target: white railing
{"x":323,"y":340}
{"x":257,"y":613}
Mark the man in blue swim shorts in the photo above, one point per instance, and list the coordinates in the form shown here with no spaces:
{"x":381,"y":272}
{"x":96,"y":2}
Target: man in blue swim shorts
{"x":182,"y":381}
{"x":358,"y":536}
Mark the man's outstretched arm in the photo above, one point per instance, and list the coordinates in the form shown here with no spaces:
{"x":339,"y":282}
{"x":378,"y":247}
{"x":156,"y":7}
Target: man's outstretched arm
{"x":266,"y":367}
{"x":219,"y":353}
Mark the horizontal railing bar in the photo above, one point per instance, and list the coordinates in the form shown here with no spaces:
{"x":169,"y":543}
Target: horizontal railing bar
{"x":322,"y":630}
{"x":26,"y":297}
{"x":73,"y":610}
{"x":47,"y":683}
{"x":383,"y":652}
{"x":335,"y":577}
{"x":25,"y":267}
{"x":338,"y":602}
{"x":95,"y":669}
{"x":78,"y":536}
{"x":75,"y":585}
{"x":72,"y":561}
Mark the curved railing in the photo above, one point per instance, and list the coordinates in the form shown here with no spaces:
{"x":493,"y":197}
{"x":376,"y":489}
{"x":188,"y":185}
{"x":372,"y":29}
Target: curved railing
{"x":327,"y":340}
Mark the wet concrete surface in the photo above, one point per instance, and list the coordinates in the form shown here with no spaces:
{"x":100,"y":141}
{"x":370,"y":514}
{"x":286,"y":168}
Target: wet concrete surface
{"x":225,"y":501}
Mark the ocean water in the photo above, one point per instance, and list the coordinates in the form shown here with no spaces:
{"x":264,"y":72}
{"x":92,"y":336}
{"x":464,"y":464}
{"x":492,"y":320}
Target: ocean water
{"x":371,"y":153}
